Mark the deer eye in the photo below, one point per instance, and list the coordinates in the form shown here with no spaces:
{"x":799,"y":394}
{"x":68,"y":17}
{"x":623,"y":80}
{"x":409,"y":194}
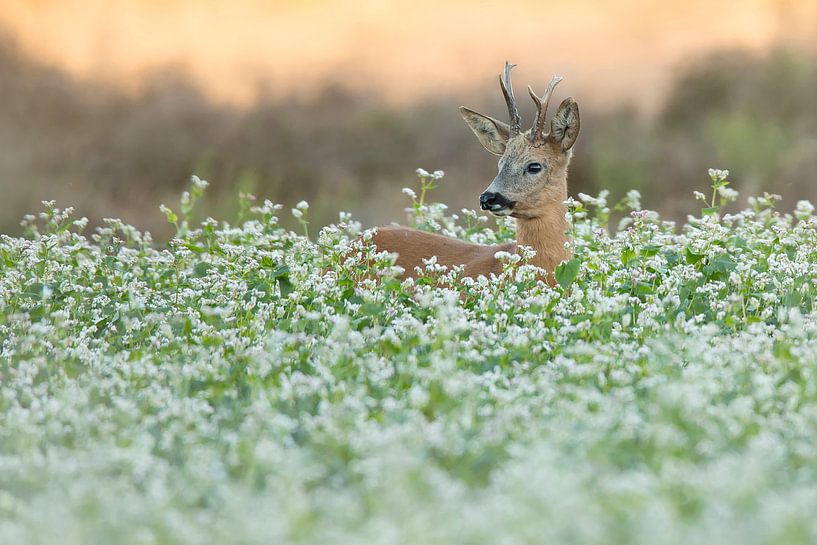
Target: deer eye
{"x":534,"y":168}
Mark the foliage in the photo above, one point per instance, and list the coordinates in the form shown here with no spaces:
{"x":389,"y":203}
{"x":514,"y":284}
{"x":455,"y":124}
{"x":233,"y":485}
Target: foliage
{"x":244,"y":384}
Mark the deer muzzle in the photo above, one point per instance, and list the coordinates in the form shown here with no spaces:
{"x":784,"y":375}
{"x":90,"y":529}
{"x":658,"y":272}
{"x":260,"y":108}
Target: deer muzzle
{"x":496,"y":203}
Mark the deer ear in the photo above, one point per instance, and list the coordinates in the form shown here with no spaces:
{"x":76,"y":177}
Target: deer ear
{"x":492,"y":134}
{"x":564,"y":127}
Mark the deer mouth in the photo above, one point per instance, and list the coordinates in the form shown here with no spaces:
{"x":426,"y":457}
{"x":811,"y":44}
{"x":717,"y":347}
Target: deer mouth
{"x":502,"y":209}
{"x":496,"y":203}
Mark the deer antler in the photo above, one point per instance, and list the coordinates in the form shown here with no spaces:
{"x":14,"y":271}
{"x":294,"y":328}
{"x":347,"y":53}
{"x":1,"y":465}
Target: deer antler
{"x":507,"y":90}
{"x":542,"y":107}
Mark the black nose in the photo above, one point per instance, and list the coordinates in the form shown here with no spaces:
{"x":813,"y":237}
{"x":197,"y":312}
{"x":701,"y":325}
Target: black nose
{"x":487,"y":199}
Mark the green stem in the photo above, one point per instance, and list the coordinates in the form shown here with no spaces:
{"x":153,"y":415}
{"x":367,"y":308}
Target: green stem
{"x":423,"y":188}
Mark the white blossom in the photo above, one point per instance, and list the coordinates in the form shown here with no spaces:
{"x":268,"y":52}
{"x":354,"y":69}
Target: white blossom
{"x":245,"y":384}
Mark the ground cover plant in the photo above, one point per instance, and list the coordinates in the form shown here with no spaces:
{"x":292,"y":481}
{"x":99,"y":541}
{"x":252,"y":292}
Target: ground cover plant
{"x":249,"y":384}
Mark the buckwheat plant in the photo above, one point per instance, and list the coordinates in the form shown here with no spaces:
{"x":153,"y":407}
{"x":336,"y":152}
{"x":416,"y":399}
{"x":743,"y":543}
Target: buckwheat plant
{"x":246,"y":384}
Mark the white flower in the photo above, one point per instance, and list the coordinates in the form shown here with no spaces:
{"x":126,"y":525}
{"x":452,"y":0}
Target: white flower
{"x":199,"y":183}
{"x":718,"y":175}
{"x":282,"y":378}
{"x":599,"y":201}
{"x":727,"y":193}
{"x":633,"y":200}
{"x":803,"y":210}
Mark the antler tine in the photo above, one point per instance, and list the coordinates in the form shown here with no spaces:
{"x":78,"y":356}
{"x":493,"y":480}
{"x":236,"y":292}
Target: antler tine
{"x":542,"y":106}
{"x":507,"y":90}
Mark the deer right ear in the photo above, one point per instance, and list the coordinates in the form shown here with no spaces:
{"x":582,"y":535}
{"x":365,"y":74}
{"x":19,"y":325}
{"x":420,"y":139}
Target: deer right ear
{"x":564,"y":127}
{"x":492,"y":134}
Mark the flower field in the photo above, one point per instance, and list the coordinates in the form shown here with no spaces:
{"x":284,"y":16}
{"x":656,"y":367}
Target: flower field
{"x":249,"y":384}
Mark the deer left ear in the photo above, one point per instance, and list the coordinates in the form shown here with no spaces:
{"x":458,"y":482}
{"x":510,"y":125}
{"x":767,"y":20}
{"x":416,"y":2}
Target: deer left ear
{"x":492,"y":134}
{"x":564,"y":127}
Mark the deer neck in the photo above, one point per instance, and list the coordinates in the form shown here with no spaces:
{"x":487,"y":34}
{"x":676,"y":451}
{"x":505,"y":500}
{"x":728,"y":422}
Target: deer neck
{"x":547,"y":234}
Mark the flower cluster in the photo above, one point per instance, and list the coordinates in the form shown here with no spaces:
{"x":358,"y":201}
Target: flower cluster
{"x":247,"y":384}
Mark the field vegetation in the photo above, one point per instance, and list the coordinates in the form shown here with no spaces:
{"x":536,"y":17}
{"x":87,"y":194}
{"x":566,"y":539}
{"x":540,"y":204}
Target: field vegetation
{"x":249,"y":383}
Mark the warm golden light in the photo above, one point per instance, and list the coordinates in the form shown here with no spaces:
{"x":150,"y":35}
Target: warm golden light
{"x":609,"y":50}
{"x":110,"y":105}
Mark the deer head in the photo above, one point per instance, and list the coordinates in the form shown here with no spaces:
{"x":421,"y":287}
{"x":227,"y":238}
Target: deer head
{"x":532,"y":164}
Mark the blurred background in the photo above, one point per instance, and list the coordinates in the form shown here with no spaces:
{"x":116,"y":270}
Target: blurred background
{"x":110,"y":105}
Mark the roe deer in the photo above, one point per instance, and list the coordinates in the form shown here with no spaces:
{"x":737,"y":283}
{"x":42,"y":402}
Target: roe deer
{"x":531,"y":186}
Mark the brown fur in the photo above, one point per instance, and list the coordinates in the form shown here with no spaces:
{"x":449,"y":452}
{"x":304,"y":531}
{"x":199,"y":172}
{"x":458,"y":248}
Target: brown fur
{"x":412,"y":246}
{"x":544,"y":233}
{"x":537,"y":197}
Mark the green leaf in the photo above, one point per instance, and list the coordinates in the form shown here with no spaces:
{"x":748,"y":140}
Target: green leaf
{"x":644,"y":288}
{"x":684,"y":291}
{"x":692,"y":257}
{"x":628,"y":256}
{"x":200,"y":269}
{"x":372,"y":309}
{"x":792,"y":299}
{"x":171,"y":216}
{"x":281,"y":275}
{"x":567,"y":272}
{"x":722,"y":263}
{"x":193,"y":247}
{"x":35,"y":290}
{"x":650,"y":250}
